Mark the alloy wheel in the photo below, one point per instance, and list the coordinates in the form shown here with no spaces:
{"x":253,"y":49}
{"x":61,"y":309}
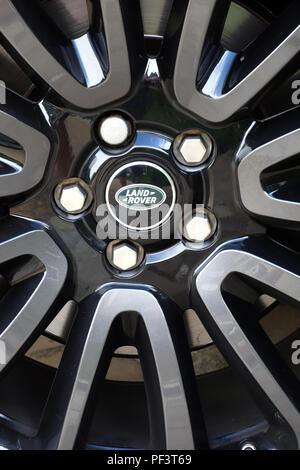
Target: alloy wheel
{"x":106,"y":107}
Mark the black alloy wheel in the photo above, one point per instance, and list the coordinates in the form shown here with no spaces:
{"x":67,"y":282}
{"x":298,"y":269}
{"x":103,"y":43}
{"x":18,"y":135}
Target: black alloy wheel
{"x":179,"y":339}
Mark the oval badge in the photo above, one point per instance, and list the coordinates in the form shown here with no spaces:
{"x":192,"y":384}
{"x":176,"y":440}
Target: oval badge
{"x":140,"y":197}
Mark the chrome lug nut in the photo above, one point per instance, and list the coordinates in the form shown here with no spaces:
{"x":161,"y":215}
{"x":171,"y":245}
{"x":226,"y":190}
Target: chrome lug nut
{"x":114,"y":130}
{"x":192,"y":147}
{"x":124,"y":255}
{"x":73,"y":196}
{"x":199,"y":226}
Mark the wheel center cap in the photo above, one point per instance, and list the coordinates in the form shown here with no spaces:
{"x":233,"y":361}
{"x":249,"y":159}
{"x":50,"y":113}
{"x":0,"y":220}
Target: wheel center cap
{"x":140,"y":195}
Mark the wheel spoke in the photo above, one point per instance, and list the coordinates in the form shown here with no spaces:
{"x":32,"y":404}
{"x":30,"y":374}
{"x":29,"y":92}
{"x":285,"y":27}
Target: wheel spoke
{"x":177,"y":428}
{"x":71,"y":16}
{"x":22,"y":121}
{"x":260,"y":150}
{"x":203,"y":88}
{"x":247,"y":347}
{"x":162,"y":379}
{"x":28,"y":304}
{"x":114,"y":82}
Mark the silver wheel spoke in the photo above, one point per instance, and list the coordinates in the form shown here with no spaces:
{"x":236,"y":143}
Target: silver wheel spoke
{"x":282,"y":281}
{"x":212,"y":99}
{"x":101,"y":87}
{"x":26,"y":123}
{"x":176,"y":418}
{"x":21,"y":314}
{"x":260,"y":150}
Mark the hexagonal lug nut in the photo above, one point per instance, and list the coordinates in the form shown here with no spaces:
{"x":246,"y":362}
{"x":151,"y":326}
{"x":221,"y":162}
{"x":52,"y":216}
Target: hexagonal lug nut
{"x":199,"y":226}
{"x":192,"y":148}
{"x":115,"y":130}
{"x":73,"y":196}
{"x":124,"y":255}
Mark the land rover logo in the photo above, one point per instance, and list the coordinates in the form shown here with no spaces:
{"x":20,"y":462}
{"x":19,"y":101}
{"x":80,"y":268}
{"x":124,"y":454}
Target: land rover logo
{"x":140,"y":196}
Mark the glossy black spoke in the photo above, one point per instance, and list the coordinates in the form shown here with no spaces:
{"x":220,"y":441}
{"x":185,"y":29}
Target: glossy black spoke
{"x":30,"y":303}
{"x":237,"y":333}
{"x":87,"y":357}
{"x":267,"y":144}
{"x":215,"y":83}
{"x":93,"y":69}
{"x":25,"y":126}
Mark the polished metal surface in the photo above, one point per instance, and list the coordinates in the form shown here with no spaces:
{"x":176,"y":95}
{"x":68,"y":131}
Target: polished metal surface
{"x":253,"y":158}
{"x":34,"y":141}
{"x":27,"y":238}
{"x":284,"y":281}
{"x":193,"y":150}
{"x":192,"y":147}
{"x":88,"y":60}
{"x":73,"y":195}
{"x":116,"y":84}
{"x":123,"y":255}
{"x":199,"y":226}
{"x":72,"y":199}
{"x":114,"y":130}
{"x":112,"y":303}
{"x":72,"y":17}
{"x":254,"y":74}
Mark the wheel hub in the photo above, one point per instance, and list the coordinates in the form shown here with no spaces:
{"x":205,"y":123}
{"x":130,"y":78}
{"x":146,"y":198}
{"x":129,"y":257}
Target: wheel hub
{"x":149,"y":157}
{"x":144,"y":187}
